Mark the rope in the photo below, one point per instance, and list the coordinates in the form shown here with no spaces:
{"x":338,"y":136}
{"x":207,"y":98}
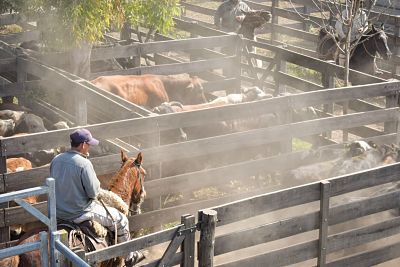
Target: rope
{"x":112,"y":219}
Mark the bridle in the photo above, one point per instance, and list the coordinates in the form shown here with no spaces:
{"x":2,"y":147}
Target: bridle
{"x":376,"y":44}
{"x":138,"y":167}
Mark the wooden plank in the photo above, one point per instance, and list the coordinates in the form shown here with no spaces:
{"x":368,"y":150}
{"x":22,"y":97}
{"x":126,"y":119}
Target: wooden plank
{"x":15,"y":38}
{"x":8,"y":64}
{"x":172,"y":214}
{"x":132,"y":245}
{"x":170,"y":252}
{"x":187,"y":119}
{"x":370,"y":258}
{"x":162,"y":46}
{"x":177,"y":258}
{"x":304,"y":223}
{"x":12,"y":89}
{"x":178,"y":68}
{"x":286,"y":256}
{"x":302,"y":194}
{"x":296,"y":82}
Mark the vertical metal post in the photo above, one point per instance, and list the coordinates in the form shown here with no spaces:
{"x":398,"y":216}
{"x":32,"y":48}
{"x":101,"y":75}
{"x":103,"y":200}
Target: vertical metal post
{"x":189,"y":242}
{"x":44,"y":249}
{"x":51,"y":209}
{"x":208,"y":221}
{"x":323,"y":223}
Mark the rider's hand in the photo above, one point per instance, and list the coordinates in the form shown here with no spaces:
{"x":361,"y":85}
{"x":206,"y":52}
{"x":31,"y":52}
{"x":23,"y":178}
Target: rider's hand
{"x":240,"y":18}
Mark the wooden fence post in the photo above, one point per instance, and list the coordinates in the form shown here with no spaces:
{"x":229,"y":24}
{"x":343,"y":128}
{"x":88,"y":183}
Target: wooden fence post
{"x":391,"y":101}
{"x":396,"y":48}
{"x":189,"y":242}
{"x":4,"y":231}
{"x":328,"y":81}
{"x":306,"y":24}
{"x":280,"y":67}
{"x":80,"y":110}
{"x":22,"y":76}
{"x":208,"y":221}
{"x":274,"y":21}
{"x":323,"y":223}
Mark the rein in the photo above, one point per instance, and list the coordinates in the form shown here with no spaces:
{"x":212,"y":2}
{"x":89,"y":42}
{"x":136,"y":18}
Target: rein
{"x":113,"y":220}
{"x":376,"y":45}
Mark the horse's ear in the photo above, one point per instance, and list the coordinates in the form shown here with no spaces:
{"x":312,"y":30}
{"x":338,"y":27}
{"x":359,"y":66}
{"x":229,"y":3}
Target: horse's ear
{"x":139,"y":159}
{"x":124,"y":157}
{"x":382,"y":26}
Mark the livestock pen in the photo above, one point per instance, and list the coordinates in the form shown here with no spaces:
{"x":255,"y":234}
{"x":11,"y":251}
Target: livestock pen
{"x":110,"y":127}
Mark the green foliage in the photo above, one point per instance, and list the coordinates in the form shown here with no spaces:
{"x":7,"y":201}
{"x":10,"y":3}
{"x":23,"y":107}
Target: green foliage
{"x":304,"y":73}
{"x":299,"y":145}
{"x":153,"y":14}
{"x":67,"y":23}
{"x":7,"y":29}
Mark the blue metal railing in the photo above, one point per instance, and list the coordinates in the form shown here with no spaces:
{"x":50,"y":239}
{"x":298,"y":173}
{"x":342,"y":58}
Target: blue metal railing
{"x":51,"y":221}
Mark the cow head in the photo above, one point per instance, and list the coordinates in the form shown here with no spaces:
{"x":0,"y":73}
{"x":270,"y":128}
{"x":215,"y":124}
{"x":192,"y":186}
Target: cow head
{"x":7,"y":127}
{"x":195,"y":91}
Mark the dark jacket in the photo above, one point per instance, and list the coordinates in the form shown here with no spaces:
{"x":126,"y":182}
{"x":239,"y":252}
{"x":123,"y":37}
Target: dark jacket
{"x":225,"y":16}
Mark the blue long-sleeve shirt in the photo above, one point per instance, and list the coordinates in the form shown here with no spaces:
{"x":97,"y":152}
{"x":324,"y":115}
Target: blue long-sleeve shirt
{"x":76,"y":184}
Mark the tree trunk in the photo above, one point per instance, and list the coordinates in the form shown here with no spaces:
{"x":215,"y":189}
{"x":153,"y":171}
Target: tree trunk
{"x":79,"y":60}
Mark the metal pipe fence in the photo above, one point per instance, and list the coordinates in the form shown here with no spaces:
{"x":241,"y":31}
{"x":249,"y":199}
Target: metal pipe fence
{"x":51,"y":221}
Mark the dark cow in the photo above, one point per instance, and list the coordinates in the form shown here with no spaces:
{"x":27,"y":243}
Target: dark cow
{"x":30,"y":123}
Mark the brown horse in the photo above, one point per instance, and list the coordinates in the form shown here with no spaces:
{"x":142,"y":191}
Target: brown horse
{"x":151,"y":90}
{"x":128,"y":183}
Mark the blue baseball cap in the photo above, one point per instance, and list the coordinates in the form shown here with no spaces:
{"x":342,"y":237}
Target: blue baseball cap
{"x":83,"y":136}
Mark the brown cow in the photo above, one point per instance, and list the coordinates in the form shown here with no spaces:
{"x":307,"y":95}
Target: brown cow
{"x":152,"y":90}
{"x":16,"y":165}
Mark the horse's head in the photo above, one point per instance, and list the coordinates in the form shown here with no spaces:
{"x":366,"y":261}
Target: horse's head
{"x":128,"y":182}
{"x":253,"y":20}
{"x":380,"y":42}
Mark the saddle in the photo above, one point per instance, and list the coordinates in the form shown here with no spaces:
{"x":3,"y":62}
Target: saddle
{"x":83,"y":235}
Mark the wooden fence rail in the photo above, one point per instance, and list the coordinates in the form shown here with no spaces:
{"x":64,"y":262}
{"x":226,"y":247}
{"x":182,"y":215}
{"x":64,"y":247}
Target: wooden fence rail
{"x":255,"y":206}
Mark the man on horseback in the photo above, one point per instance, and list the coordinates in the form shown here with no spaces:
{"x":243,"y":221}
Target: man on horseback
{"x":230,"y":14}
{"x":77,"y":186}
{"x":358,"y":21}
